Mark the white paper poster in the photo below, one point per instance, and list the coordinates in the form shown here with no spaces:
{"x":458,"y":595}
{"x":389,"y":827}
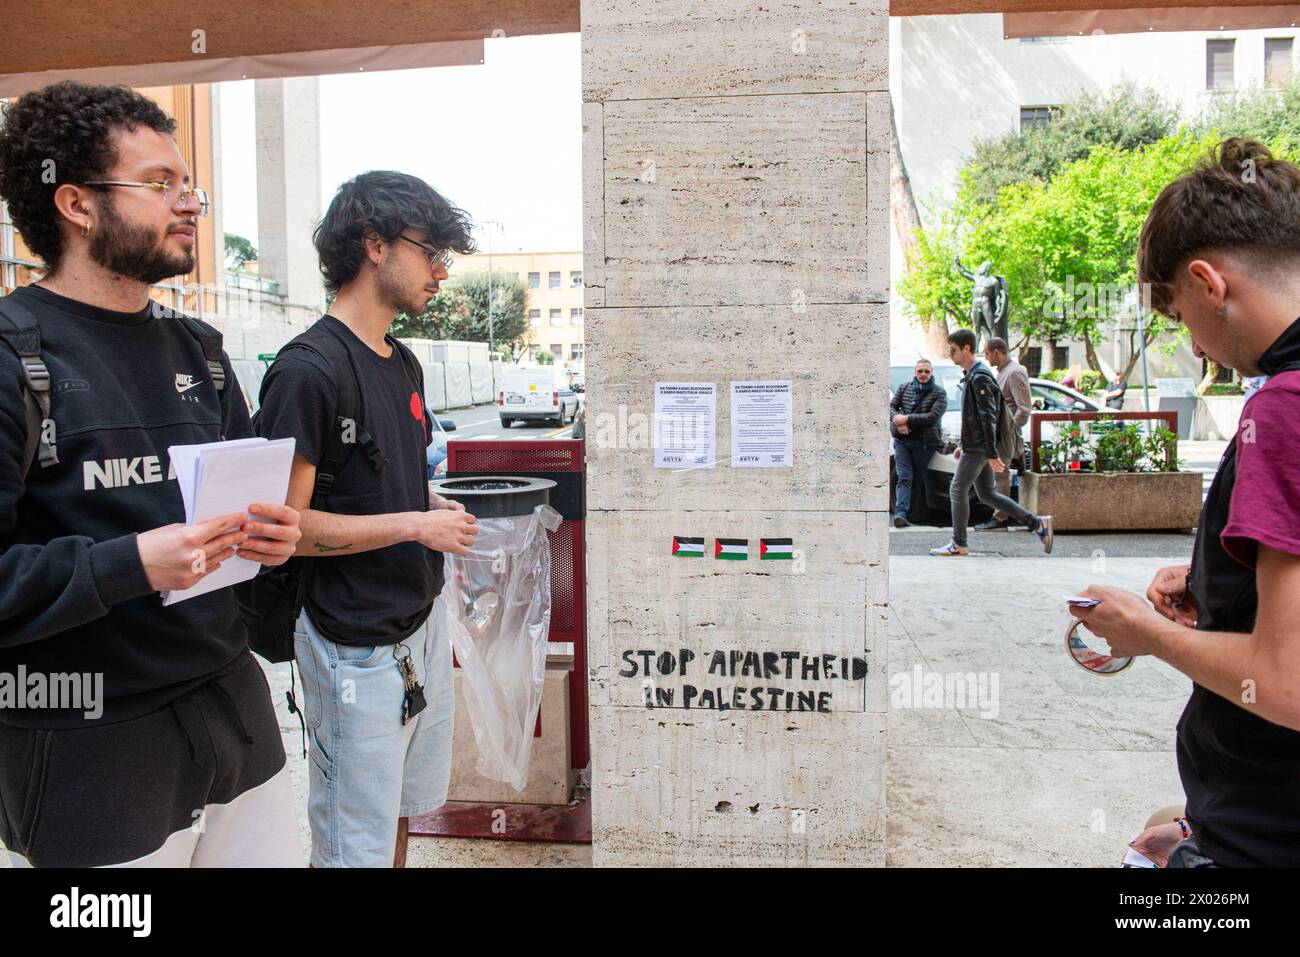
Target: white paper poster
{"x":762,"y":425}
{"x":685,"y":425}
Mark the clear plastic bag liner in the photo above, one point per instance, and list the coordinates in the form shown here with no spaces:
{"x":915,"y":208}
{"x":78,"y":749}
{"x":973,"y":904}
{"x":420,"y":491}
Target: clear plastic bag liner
{"x":496,"y":604}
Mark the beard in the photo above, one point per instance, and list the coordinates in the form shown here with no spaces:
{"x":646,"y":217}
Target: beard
{"x":134,"y":251}
{"x":394,"y":291}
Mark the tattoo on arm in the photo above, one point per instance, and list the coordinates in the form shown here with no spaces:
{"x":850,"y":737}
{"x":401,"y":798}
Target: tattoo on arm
{"x":322,"y":547}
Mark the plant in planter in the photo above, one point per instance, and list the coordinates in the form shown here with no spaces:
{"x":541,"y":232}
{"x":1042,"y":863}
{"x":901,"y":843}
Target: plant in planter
{"x":1121,"y":450}
{"x":1134,"y":482}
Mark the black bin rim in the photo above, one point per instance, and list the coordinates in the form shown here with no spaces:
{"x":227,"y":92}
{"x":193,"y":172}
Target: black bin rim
{"x":495,"y":496}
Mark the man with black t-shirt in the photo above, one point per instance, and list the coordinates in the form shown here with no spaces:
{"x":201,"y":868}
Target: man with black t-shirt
{"x":179,"y":761}
{"x":1221,"y":254}
{"x":377,"y":678}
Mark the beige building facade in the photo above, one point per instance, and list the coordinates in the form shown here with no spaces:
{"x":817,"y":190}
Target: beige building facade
{"x":553,"y":285}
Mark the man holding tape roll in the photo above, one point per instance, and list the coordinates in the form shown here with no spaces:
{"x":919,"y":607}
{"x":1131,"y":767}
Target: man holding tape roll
{"x":1221,"y":253}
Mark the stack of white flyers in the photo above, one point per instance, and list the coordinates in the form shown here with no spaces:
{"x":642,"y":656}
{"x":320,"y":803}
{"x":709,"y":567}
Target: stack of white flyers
{"x":218,"y":478}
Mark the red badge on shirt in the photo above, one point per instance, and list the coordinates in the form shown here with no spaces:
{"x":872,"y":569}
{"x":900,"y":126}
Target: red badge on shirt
{"x":417,"y":407}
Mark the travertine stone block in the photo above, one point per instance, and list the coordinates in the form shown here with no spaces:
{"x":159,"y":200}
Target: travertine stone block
{"x":809,"y":625}
{"x":688,"y":48}
{"x":593,"y":205}
{"x":702,"y":789}
{"x":835,"y":358}
{"x":738,"y":200}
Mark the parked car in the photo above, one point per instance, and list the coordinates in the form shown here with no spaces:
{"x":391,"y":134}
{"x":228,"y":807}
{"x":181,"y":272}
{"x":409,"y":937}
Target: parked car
{"x":436,"y":453}
{"x":536,"y":393}
{"x":1047,"y":396}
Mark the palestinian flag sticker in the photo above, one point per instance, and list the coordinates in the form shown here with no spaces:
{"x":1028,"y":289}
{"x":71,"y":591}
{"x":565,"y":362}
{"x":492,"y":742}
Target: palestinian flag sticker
{"x":774,"y":549}
{"x":684,"y":547}
{"x":732,"y":549}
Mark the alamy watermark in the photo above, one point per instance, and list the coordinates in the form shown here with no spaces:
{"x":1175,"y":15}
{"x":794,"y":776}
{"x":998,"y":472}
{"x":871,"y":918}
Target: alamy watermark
{"x":1089,"y":300}
{"x":37,"y":691}
{"x":919,"y":688}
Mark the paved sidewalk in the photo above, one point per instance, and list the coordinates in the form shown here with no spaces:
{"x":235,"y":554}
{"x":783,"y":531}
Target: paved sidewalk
{"x":1071,"y":764}
{"x":1061,"y":773}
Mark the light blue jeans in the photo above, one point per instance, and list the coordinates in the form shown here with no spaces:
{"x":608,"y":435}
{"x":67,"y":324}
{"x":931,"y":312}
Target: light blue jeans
{"x":367,"y":769}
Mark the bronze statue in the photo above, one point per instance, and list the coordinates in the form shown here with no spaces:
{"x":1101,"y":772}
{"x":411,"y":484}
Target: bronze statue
{"x":988,"y":303}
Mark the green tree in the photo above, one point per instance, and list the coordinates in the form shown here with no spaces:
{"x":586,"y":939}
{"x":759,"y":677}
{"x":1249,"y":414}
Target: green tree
{"x":1269,"y":115}
{"x":238,"y":251}
{"x":460,"y":312}
{"x":1125,"y":117}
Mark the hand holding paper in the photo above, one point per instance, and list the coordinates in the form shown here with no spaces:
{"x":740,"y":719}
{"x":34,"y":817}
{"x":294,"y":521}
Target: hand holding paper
{"x":246,"y":480}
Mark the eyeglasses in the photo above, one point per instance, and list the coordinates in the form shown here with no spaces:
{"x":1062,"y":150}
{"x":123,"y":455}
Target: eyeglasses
{"x":163,"y":186}
{"x":436,"y":258}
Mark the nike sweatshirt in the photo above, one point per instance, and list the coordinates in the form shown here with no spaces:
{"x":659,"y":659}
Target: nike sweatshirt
{"x":74,"y":598}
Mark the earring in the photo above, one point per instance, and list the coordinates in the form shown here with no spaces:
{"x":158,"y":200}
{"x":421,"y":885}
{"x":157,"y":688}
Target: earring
{"x":1221,"y":311}
{"x":85,"y":228}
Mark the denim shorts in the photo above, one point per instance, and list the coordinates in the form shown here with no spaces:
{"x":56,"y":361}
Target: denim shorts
{"x":367,"y":769}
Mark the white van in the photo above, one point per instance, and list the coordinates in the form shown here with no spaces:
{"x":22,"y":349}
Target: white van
{"x":533,"y":393}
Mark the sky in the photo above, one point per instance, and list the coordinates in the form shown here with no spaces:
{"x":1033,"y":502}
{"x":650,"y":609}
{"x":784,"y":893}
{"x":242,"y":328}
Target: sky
{"x":502,"y":140}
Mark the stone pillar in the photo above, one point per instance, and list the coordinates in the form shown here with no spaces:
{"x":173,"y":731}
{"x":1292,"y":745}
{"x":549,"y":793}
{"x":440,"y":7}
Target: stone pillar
{"x":289,"y":186}
{"x":736,"y":216}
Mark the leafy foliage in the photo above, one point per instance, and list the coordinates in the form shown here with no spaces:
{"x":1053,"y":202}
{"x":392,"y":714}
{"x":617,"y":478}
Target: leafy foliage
{"x":460,"y":312}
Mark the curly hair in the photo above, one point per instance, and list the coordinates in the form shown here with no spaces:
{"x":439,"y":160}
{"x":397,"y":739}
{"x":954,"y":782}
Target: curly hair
{"x":1238,"y":197}
{"x":63,"y":134}
{"x":384,"y":202}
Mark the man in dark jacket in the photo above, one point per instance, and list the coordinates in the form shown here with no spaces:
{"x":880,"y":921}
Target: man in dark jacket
{"x":915,"y":412}
{"x":977,"y":456}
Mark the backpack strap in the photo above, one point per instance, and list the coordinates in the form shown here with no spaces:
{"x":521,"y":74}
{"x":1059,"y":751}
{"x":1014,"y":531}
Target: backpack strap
{"x":19,"y":328}
{"x":348,"y":430}
{"x":210,"y":341}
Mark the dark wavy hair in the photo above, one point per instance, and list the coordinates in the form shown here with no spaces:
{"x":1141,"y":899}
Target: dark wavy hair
{"x":70,"y":126}
{"x":384,"y":202}
{"x":1238,"y":197}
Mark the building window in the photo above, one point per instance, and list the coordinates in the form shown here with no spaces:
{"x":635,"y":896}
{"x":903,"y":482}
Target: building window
{"x":1032,"y":116}
{"x":534,"y":317}
{"x":575,"y":278}
{"x":577,"y":352}
{"x":1277,"y":61}
{"x":557,"y":317}
{"x":554,"y":280}
{"x":1219,"y":73}
{"x":575,"y":316}
{"x":557,"y":350}
{"x":534,"y":280}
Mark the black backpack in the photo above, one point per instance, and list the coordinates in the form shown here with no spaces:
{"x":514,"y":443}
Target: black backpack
{"x":21,"y":330}
{"x":271,"y":602}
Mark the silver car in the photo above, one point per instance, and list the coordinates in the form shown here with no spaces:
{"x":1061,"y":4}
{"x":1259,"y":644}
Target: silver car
{"x":1047,"y":396}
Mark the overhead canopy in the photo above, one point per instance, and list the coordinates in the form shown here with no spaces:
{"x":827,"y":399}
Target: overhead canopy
{"x":1148,"y":20}
{"x":43,"y":35}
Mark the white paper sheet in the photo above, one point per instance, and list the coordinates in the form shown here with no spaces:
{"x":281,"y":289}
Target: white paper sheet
{"x":685,"y":425}
{"x":218,"y":478}
{"x":762,"y":425}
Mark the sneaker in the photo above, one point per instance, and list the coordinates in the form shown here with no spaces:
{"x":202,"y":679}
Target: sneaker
{"x":1045,"y":533}
{"x":901,"y":521}
{"x":993,"y":525}
{"x":949,"y":550}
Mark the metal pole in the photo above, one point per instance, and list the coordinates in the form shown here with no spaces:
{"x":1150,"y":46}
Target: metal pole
{"x":492,"y":347}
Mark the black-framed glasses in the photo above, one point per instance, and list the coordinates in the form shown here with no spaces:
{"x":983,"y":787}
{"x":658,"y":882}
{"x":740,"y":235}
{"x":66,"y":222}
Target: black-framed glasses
{"x":162,"y":186}
{"x":436,"y":257}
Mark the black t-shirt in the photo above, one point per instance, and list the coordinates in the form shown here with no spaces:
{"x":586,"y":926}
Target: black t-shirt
{"x":1116,"y":402}
{"x":377,"y":597}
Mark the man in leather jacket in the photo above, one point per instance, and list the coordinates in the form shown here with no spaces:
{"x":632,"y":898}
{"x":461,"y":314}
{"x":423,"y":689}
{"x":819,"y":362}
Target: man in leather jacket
{"x":915,"y":412}
{"x":977,"y":456}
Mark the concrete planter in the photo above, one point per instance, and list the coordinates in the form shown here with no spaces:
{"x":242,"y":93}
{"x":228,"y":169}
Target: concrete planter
{"x":1100,"y":501}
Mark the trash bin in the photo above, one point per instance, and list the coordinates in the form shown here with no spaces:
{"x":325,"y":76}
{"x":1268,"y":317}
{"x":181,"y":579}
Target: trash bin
{"x":1178,"y":395}
{"x":496,"y":604}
